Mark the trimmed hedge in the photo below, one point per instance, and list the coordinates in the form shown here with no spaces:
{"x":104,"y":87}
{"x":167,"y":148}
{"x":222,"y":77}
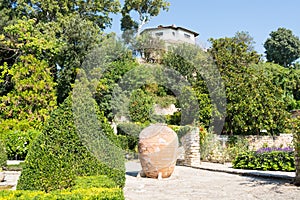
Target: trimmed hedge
{"x":274,"y":160}
{"x":58,"y":155}
{"x":93,"y":187}
{"x":3,"y":156}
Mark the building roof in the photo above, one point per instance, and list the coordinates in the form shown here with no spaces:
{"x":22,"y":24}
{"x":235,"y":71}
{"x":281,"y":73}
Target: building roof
{"x":172,"y":27}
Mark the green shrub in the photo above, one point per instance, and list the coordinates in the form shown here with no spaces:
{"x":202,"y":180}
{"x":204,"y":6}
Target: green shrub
{"x":131,"y":131}
{"x":17,"y":143}
{"x":58,"y":155}
{"x":86,"y":182}
{"x":140,"y":106}
{"x":236,"y":145}
{"x":78,"y":194}
{"x":274,"y":160}
{"x":211,"y":148}
{"x":174,"y":119}
{"x":88,"y":187}
{"x":3,"y":156}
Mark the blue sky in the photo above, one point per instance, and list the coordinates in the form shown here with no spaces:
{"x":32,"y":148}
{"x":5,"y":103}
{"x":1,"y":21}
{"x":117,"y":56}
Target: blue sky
{"x":223,"y":18}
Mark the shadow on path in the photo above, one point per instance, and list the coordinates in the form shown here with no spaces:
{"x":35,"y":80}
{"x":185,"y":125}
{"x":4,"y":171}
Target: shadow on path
{"x":132,"y":173}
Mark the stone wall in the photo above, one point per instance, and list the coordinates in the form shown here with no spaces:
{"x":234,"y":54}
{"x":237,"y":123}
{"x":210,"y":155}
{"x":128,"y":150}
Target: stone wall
{"x":283,"y":140}
{"x":256,"y":141}
{"x":190,"y":150}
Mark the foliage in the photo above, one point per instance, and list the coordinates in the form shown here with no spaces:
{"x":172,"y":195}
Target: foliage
{"x":274,"y":160}
{"x":3,"y":155}
{"x":296,"y":140}
{"x":232,"y":55}
{"x":174,"y":119}
{"x":46,"y":11}
{"x":33,"y":97}
{"x":58,"y":155}
{"x":27,"y":86}
{"x":282,"y":47}
{"x":197,"y":68}
{"x":146,"y":9}
{"x":108,"y":83}
{"x":17,"y":143}
{"x":211,"y":148}
{"x":90,"y":187}
{"x":254,"y":102}
{"x":150,"y":48}
{"x":131,"y":131}
{"x":236,"y":145}
{"x":246,"y":38}
{"x":140,"y":106}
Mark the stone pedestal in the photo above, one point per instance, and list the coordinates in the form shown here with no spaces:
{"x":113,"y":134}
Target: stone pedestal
{"x":158,"y":146}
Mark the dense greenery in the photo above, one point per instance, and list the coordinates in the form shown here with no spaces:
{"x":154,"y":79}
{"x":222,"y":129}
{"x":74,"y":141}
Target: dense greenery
{"x":282,"y":47}
{"x":3,"y":155}
{"x":273,"y":160}
{"x":131,"y":131}
{"x":45,"y":44}
{"x":296,"y":133}
{"x":58,"y":156}
{"x":254,"y":102}
{"x":17,"y":143}
{"x":90,"y":187}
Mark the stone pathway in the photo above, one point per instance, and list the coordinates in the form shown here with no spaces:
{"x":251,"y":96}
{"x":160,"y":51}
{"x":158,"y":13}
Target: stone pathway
{"x":11,"y":179}
{"x":189,"y":184}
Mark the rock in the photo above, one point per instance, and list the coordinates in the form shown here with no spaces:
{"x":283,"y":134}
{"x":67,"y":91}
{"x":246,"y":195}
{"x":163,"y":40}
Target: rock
{"x":158,"y":146}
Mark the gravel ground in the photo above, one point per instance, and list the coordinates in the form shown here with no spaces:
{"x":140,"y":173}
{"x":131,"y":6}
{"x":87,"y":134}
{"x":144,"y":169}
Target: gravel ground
{"x":190,"y":184}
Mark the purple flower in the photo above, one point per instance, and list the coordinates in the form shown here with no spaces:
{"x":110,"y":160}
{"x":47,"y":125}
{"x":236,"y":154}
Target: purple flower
{"x":270,"y":149}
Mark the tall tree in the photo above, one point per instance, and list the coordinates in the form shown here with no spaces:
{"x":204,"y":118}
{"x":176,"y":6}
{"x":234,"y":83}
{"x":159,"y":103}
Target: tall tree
{"x":243,"y":36}
{"x":282,"y":47}
{"x":31,"y":95}
{"x":254,"y":102}
{"x":146,"y":9}
{"x":232,"y":54}
{"x":48,"y":11}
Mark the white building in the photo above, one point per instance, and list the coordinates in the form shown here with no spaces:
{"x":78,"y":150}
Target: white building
{"x":172,"y":34}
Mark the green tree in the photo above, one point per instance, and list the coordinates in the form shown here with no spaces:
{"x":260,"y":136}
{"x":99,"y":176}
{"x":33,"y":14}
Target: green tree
{"x":231,"y":54}
{"x":282,"y":47}
{"x":150,"y":48}
{"x":146,"y":9}
{"x":49,"y":11}
{"x":254,"y":102}
{"x":140,"y":106}
{"x":192,"y":63}
{"x":243,"y":36}
{"x":31,"y":95}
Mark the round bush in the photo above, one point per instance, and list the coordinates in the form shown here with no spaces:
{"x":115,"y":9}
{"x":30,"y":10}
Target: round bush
{"x":58,"y":155}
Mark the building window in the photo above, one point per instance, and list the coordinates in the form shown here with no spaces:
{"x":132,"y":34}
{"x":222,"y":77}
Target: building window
{"x":173,"y":33}
{"x":159,"y":34}
{"x":187,"y":35}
